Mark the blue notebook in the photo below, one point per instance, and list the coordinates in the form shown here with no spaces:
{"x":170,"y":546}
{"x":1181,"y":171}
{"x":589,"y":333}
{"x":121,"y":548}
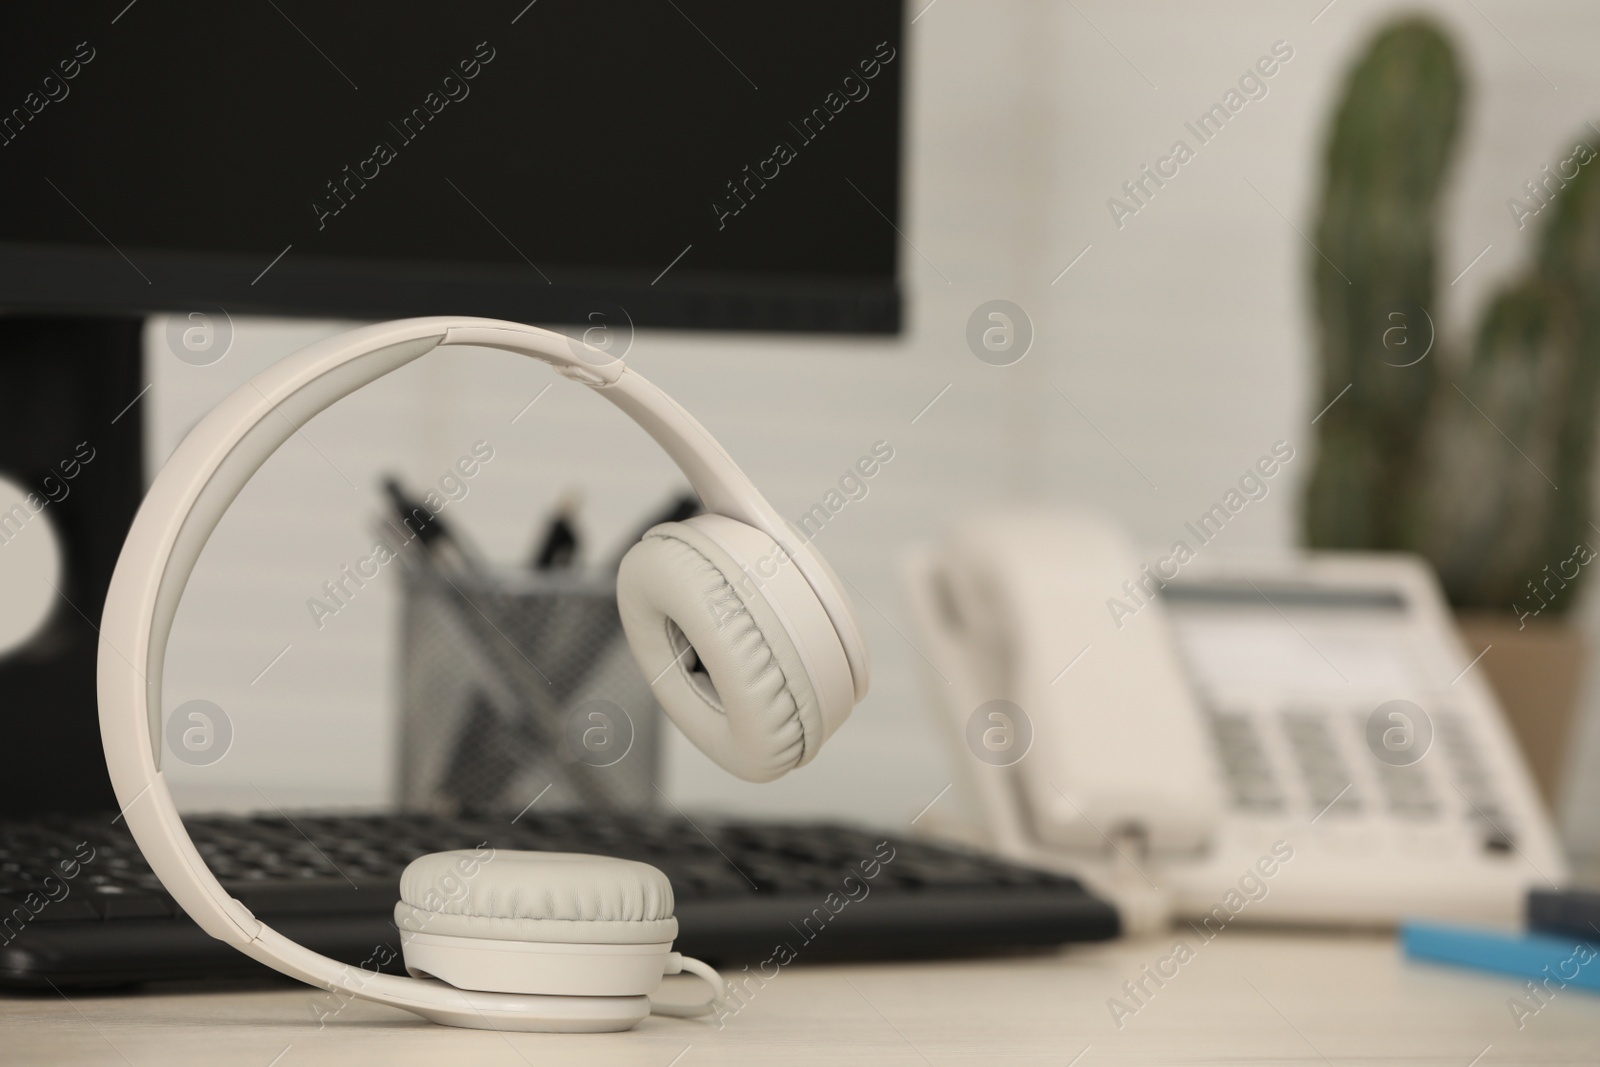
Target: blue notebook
{"x":1567,"y":960}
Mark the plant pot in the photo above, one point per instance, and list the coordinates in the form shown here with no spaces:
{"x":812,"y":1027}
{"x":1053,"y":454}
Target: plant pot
{"x":1535,"y":669}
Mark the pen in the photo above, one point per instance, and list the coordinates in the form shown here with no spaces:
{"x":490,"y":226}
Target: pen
{"x":558,"y":549}
{"x":431,"y":531}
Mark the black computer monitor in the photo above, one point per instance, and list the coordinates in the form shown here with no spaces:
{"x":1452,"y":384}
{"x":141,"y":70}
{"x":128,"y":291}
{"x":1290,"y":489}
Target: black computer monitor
{"x":701,"y":164}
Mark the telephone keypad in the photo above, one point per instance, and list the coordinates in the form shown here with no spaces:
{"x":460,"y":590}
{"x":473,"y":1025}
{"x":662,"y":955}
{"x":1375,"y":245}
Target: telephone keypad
{"x":1251,"y":782}
{"x":1330,"y":789}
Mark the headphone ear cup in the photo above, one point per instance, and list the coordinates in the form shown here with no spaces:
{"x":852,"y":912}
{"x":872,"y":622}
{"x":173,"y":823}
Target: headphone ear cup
{"x":550,"y":923}
{"x":749,"y":668}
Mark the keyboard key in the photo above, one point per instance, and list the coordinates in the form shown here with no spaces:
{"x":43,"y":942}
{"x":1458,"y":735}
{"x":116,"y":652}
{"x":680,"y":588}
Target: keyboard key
{"x":126,"y":902}
{"x":69,"y":909}
{"x":268,"y":897}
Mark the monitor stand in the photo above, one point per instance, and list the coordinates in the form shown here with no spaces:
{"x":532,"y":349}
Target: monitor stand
{"x":72,"y":437}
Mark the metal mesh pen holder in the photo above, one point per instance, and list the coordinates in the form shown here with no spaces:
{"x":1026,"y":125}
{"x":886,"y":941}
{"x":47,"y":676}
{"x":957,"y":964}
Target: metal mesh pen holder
{"x":521,"y":686}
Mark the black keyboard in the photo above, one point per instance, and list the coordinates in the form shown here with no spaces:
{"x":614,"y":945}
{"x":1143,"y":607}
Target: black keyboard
{"x":79,"y":906}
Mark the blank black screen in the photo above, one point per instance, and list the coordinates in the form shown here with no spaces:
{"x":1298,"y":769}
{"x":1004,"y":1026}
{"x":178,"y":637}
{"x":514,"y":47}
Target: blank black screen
{"x":508,"y":159}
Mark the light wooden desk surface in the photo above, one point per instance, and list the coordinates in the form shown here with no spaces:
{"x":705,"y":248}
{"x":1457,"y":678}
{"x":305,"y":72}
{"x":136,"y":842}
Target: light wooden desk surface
{"x":1249,"y":997}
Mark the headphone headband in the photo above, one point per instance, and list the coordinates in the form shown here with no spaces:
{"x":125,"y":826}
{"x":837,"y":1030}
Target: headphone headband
{"x":188,"y":499}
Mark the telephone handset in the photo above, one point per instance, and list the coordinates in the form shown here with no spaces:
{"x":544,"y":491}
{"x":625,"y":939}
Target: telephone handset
{"x":1204,"y":723}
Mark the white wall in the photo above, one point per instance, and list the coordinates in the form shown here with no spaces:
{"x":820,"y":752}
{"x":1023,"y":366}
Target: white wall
{"x":1183,"y":337}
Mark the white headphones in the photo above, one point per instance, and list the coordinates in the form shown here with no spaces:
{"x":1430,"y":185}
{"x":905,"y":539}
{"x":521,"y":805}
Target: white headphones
{"x":510,"y":940}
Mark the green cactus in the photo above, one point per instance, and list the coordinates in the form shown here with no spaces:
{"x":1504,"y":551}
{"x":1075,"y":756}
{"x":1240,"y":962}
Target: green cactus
{"x":1481,"y":466}
{"x":1493,"y":460}
{"x":1386,"y":162}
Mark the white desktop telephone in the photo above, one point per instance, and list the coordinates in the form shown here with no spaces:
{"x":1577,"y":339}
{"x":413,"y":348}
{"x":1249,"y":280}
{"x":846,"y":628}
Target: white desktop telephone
{"x":1301,"y":741}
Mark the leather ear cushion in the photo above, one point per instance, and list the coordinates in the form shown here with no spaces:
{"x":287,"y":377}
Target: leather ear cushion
{"x":563,"y":897}
{"x":752,"y":709}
